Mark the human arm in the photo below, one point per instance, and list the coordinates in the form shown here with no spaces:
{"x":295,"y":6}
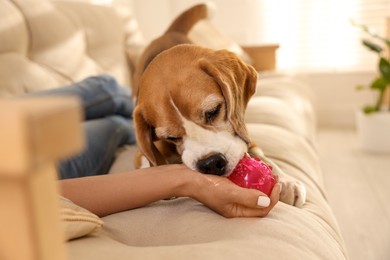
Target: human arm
{"x":107,"y":194}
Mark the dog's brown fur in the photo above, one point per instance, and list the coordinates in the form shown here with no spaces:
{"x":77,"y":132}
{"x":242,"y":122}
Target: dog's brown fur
{"x":205,"y":72}
{"x":218,"y":65}
{"x":174,"y":35}
{"x":172,"y":82}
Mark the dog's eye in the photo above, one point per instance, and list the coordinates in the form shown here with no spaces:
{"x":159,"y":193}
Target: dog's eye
{"x":210,"y":115}
{"x":173,"y":139}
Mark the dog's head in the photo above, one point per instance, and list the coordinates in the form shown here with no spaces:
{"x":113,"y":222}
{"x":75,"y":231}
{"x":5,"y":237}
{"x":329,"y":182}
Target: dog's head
{"x":191,"y":107}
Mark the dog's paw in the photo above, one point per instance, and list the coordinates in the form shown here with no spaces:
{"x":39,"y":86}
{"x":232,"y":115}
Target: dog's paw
{"x":293,"y":192}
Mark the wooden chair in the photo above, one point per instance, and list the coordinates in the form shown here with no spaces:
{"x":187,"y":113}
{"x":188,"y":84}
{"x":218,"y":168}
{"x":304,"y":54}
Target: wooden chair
{"x":34,"y":134}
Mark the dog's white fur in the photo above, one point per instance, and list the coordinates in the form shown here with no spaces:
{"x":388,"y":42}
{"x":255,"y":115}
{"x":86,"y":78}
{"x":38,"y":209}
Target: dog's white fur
{"x":200,"y":142}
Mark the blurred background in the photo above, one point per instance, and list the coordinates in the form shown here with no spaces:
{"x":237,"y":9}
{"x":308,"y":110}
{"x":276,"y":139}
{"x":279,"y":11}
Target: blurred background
{"x":313,"y":35}
{"x":316,"y":40}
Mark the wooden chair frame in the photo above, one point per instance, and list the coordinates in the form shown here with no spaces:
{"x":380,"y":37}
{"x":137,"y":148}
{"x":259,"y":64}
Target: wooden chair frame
{"x":35,"y":133}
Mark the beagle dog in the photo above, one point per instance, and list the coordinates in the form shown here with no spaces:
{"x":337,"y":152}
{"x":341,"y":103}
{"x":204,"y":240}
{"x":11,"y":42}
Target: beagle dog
{"x":191,"y":103}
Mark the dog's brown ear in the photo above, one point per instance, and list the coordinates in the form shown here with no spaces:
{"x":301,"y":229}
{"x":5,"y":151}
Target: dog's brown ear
{"x":237,"y":81}
{"x":144,"y":133}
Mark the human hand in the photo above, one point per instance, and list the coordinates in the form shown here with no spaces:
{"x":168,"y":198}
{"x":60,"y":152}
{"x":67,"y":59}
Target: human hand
{"x":229,"y":200}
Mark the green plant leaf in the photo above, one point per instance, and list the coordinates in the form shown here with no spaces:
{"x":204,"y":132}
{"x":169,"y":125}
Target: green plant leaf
{"x":384,"y":68}
{"x":372,"y":46}
{"x":379,"y":84}
{"x":360,"y":87}
{"x":369,"y":109}
{"x":371,"y":32}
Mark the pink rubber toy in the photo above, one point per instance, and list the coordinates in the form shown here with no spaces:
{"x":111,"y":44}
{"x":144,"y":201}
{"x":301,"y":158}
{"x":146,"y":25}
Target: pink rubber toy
{"x":253,"y":173}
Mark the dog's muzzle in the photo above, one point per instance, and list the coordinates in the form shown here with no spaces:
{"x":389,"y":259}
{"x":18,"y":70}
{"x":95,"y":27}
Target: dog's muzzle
{"x":214,"y":164}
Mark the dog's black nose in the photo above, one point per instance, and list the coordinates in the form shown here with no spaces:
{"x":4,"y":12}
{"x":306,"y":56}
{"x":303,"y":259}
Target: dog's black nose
{"x":214,"y":164}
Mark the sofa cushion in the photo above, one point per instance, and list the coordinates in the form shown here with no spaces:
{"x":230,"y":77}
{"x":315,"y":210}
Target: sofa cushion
{"x":184,"y":228}
{"x":50,"y":44}
{"x":77,"y":221}
{"x":205,"y":34}
{"x":282,"y":126}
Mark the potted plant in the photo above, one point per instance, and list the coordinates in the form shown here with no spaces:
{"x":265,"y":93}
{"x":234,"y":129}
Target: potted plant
{"x":373,"y":121}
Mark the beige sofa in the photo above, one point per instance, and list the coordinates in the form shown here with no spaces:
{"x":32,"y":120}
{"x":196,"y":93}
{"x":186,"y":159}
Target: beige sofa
{"x":47,"y":44}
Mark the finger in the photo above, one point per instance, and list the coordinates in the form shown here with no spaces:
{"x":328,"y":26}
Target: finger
{"x":252,"y":211}
{"x":252,"y":198}
{"x":275,"y":194}
{"x":264,"y":201}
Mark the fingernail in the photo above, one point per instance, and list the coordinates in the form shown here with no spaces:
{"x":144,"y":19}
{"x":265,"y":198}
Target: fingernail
{"x":263,"y":201}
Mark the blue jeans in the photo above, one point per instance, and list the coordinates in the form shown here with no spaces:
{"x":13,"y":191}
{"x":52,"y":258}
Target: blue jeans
{"x":108,"y":124}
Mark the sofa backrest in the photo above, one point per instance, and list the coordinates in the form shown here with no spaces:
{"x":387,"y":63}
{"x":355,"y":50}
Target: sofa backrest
{"x":46,"y":44}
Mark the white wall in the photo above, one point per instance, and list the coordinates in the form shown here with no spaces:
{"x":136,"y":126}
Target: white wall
{"x":336,"y":97}
{"x":237,"y":18}
{"x":153,"y":17}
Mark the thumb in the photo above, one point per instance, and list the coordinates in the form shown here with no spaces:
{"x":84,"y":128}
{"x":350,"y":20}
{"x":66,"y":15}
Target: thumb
{"x":253,"y":198}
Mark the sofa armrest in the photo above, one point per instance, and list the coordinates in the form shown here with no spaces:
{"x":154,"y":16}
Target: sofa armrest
{"x":35,"y":133}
